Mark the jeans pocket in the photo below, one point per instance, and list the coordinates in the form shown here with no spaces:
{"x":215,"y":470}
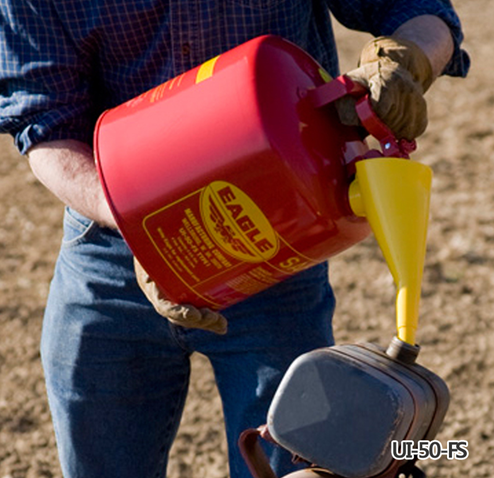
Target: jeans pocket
{"x":76,"y":228}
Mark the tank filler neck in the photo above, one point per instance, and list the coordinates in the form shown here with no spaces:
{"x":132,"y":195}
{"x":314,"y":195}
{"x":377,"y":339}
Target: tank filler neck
{"x":403,"y":351}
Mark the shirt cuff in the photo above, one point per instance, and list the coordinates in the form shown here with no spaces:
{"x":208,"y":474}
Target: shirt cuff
{"x":51,"y":126}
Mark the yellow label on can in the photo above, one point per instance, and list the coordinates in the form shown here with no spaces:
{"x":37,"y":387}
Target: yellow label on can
{"x":236,"y":223}
{"x":206,"y":69}
{"x":325,"y":75}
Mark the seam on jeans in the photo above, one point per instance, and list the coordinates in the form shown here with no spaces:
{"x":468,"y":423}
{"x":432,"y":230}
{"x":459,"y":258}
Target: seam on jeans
{"x":176,"y":332}
{"x":168,"y":433}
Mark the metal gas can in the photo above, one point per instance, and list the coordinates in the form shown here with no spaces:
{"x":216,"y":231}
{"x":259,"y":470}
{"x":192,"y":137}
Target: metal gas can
{"x":230,"y":177}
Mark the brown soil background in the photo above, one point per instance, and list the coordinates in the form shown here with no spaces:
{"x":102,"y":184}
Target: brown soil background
{"x":457,"y":313}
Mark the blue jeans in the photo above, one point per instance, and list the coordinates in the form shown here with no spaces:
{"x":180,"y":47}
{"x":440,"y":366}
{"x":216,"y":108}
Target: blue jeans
{"x":117,"y":373}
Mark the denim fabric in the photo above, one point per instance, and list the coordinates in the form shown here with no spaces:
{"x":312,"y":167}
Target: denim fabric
{"x":117,"y":373}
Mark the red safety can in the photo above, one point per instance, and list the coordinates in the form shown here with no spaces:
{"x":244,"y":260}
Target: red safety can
{"x":230,"y":177}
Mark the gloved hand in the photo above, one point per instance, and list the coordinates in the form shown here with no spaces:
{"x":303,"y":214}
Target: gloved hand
{"x":179,"y":314}
{"x":397,"y":73}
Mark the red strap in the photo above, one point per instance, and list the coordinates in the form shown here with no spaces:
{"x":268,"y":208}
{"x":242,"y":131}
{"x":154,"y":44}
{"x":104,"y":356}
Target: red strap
{"x":342,"y":86}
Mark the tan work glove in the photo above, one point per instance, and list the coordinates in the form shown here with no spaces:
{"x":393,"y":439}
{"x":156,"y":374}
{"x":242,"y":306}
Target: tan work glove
{"x":397,"y":73}
{"x":179,"y":314}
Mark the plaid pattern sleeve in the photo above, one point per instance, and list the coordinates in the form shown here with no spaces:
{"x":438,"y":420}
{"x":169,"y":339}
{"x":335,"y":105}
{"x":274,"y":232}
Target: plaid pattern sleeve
{"x":63,"y":62}
{"x":44,"y":92}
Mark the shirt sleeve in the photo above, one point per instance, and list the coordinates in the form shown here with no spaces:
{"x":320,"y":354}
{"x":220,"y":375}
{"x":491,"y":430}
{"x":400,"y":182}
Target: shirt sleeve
{"x":383,"y":17}
{"x":44,"y":86}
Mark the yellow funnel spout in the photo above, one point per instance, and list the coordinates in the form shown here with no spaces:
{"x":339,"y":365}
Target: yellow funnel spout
{"x":394,"y":195}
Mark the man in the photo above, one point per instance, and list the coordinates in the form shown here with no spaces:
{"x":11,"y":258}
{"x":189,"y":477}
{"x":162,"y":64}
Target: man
{"x":116,"y":371}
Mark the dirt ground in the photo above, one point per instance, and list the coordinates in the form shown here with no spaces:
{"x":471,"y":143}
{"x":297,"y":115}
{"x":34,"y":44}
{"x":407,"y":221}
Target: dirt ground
{"x":457,"y":313}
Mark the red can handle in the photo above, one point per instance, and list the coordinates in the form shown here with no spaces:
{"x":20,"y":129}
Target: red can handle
{"x":343,"y":86}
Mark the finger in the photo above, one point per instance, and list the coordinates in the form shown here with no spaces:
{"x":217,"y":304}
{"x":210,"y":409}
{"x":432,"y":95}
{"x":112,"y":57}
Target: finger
{"x":185,"y":315}
{"x":214,"y":322}
{"x":346,"y":111}
{"x":398,"y":102}
{"x":191,"y":317}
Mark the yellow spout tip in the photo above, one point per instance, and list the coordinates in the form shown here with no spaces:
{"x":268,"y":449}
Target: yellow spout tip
{"x":407,"y":309}
{"x":406,"y":334}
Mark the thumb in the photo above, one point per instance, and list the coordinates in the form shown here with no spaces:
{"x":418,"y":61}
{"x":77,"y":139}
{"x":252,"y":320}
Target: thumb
{"x":345,"y":107}
{"x":214,"y":321}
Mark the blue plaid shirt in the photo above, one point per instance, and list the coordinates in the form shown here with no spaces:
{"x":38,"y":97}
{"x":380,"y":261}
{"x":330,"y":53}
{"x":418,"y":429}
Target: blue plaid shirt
{"x":63,"y":62}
